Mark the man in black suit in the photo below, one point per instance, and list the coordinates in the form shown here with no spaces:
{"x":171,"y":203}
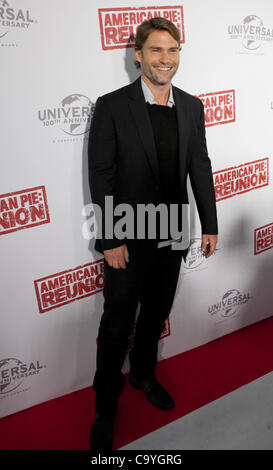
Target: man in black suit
{"x":145,"y":139}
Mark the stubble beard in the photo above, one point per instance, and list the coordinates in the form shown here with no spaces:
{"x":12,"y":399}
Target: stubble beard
{"x":153,"y":76}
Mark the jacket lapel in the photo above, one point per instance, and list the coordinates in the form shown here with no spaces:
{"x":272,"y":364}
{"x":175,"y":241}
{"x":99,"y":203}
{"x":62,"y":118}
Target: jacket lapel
{"x":142,"y":121}
{"x":183,"y":129}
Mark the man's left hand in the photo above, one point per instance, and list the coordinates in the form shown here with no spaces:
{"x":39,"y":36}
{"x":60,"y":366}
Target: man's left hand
{"x":208,"y":244}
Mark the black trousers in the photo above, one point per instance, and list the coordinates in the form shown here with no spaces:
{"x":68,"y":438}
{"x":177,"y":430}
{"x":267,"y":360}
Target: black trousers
{"x":150,"y":277}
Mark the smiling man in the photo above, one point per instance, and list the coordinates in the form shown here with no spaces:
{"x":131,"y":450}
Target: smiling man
{"x":158,"y":58}
{"x":145,"y":139}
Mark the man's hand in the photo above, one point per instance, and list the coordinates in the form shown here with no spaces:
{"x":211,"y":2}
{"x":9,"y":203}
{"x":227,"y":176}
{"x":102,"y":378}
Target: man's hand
{"x":208,"y":244}
{"x":116,"y":257}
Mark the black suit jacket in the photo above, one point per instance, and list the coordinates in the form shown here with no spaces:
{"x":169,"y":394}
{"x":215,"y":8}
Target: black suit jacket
{"x":123,"y":161}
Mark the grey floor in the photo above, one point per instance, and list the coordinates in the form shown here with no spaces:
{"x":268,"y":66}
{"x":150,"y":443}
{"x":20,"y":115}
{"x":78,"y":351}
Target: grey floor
{"x":242,"y":420}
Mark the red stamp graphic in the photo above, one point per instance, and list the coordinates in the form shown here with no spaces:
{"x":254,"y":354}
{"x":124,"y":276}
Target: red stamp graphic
{"x":240,"y":179}
{"x":118,"y":25}
{"x":65,"y":287}
{"x":263,"y":238}
{"x":219,"y":107}
{"x":23,"y":209}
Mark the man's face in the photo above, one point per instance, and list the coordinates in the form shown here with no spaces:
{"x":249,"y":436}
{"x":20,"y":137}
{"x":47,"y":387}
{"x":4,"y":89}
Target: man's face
{"x":159,"y":57}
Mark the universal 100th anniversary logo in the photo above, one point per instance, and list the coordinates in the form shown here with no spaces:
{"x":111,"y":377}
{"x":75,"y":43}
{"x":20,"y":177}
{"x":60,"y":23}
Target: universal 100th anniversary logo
{"x":13,"y":19}
{"x":252,"y":32}
{"x":14,"y":372}
{"x":230,"y":305}
{"x":72,"y":115}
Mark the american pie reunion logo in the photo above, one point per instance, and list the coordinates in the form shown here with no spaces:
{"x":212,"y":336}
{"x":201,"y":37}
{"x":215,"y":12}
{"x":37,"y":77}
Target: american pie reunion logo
{"x":23,"y":209}
{"x":118,"y":25}
{"x":240,"y":179}
{"x":219,"y":107}
{"x":62,"y":288}
{"x":263,"y":238}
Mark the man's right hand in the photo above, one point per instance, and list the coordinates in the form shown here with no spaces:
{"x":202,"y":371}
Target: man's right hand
{"x":116,"y":257}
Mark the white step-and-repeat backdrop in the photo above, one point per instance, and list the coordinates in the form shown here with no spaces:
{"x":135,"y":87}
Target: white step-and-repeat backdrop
{"x":56,"y":59}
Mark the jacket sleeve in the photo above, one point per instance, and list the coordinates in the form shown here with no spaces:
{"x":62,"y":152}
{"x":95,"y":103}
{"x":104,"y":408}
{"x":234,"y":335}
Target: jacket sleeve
{"x":102,"y":166}
{"x":201,"y":179}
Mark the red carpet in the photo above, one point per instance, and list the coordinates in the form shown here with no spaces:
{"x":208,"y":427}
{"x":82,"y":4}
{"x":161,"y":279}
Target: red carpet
{"x":194,"y":378}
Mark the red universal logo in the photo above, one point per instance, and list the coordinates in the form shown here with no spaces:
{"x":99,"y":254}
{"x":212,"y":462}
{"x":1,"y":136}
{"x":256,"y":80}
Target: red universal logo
{"x":118,"y":25}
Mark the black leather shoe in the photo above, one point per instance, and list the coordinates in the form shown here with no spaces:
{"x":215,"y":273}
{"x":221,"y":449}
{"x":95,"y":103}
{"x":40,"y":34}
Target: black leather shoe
{"x":102,"y":432}
{"x":154,"y":391}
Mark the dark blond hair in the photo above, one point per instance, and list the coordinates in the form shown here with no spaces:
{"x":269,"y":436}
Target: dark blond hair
{"x":154,"y":24}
